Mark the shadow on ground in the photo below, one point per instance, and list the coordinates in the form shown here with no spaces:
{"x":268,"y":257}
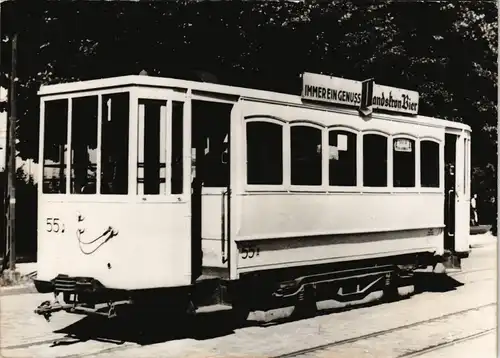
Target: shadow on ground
{"x":149,"y":328}
{"x":429,"y":282}
{"x":153,"y":327}
{"x":480,"y":229}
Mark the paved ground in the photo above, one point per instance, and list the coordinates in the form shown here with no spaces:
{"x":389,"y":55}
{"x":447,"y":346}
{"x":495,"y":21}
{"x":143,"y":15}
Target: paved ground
{"x":484,"y":346}
{"x":446,"y":311}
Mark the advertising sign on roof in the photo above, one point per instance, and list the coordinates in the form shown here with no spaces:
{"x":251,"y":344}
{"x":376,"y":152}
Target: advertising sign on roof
{"x":347,"y":92}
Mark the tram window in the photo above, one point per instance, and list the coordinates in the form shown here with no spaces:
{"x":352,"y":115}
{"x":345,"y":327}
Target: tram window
{"x":151,"y":147}
{"x":403,"y":163}
{"x":211,"y":128}
{"x":114,"y":144}
{"x":264,"y":153}
{"x":84,"y":145}
{"x":429,"y":164}
{"x":55,"y":146}
{"x":55,"y":143}
{"x":306,"y":166}
{"x":177,"y":144}
{"x":342,"y":158}
{"x":466,"y":165}
{"x":374,"y":160}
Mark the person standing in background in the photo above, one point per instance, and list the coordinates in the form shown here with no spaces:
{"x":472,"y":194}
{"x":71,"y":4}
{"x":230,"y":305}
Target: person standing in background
{"x":473,"y":215}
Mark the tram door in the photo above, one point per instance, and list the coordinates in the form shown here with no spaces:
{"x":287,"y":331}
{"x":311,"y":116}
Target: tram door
{"x":450,"y":150}
{"x":457,"y":195}
{"x":210,"y":187}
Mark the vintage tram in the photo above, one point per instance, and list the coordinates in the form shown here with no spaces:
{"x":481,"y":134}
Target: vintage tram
{"x":192,"y":194}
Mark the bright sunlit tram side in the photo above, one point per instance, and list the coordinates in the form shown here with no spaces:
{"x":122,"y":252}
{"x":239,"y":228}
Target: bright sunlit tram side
{"x":184,"y":194}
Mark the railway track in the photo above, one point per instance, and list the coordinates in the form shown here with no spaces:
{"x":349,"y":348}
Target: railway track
{"x":469,"y":271}
{"x":55,"y":342}
{"x":436,"y":347}
{"x":311,"y":350}
{"x":327,"y":346}
{"x":122,"y":345}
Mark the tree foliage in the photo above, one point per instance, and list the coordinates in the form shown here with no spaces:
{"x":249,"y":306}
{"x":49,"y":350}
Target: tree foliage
{"x":26,"y":209}
{"x":445,"y":51}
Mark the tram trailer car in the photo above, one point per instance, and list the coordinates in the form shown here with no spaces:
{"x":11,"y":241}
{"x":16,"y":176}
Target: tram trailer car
{"x":183,"y":194}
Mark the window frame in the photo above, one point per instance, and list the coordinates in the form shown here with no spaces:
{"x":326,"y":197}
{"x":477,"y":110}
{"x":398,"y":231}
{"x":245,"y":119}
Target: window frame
{"x":285,"y":158}
{"x":41,"y":147}
{"x":164,"y":144}
{"x":323,"y":187}
{"x":99,"y":139}
{"x":359,"y":163}
{"x":72,"y":181}
{"x":440,"y":144}
{"x":416,"y":149}
{"x":466,"y":154}
{"x":69,"y":97}
{"x":375,"y":189}
{"x":165,"y":195}
{"x":134,"y":94}
{"x":168,"y":96}
{"x":468,"y":163}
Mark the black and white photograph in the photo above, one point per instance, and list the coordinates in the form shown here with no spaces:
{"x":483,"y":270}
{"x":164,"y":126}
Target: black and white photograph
{"x":251,"y":179}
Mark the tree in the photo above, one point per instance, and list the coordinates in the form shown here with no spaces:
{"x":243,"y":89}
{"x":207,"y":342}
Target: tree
{"x":445,"y":51}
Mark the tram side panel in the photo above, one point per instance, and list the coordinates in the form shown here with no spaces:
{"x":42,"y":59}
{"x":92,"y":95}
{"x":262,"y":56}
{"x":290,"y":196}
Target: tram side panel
{"x":306,"y":229}
{"x":214,"y":217}
{"x":148,"y":246}
{"x":282,"y":227}
{"x":463,"y":194}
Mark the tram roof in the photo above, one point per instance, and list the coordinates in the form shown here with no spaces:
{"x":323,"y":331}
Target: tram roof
{"x":242,"y":92}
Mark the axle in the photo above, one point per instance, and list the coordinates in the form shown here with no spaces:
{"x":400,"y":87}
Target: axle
{"x":46,"y":309}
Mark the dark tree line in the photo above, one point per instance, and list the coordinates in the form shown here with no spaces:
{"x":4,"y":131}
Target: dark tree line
{"x":445,"y":51}
{"x":26,"y":210}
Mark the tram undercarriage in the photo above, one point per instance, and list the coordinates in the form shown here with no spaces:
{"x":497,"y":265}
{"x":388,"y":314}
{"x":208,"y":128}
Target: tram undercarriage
{"x":223,"y":196}
{"x":299,"y":287}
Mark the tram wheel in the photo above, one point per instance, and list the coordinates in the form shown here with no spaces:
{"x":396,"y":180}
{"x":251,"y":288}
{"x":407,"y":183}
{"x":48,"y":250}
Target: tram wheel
{"x":306,"y":306}
{"x":239,"y":313}
{"x":239,"y":316}
{"x":391,"y":292}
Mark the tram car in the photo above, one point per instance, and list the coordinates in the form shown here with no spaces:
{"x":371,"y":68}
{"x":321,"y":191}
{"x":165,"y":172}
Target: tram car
{"x":189,"y":194}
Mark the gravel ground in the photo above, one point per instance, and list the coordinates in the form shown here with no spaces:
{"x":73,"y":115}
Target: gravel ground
{"x":23,"y":334}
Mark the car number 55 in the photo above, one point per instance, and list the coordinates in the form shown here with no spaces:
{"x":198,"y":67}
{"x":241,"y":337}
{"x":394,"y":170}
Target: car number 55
{"x":249,"y":252}
{"x":54,"y":225}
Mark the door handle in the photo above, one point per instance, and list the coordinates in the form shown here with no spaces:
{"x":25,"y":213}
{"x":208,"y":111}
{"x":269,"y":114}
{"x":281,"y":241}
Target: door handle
{"x":224,"y":196}
{"x":450,"y":198}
